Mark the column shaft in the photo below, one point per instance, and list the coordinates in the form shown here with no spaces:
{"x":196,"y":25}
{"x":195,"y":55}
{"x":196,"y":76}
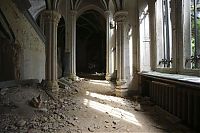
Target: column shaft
{"x":121,"y":18}
{"x":108,"y":50}
{"x":51,"y":19}
{"x":115,"y":54}
{"x":73,"y":45}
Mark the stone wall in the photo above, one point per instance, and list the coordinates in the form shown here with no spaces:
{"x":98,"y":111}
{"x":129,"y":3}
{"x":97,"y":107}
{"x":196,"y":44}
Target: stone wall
{"x":32,"y":53}
{"x":9,"y":60}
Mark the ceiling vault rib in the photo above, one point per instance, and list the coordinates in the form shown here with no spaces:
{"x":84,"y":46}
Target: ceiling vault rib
{"x":93,"y":25}
{"x":105,"y":4}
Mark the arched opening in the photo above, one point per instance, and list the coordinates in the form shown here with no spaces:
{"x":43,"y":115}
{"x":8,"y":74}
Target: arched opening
{"x":91,"y":44}
{"x":61,"y":47}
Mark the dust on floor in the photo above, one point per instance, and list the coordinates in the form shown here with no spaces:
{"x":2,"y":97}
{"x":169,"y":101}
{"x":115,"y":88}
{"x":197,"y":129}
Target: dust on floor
{"x":84,"y":106}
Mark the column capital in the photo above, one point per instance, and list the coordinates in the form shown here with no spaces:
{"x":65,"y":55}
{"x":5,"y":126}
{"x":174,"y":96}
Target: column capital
{"x":51,"y":16}
{"x":121,"y":16}
{"x":107,"y":13}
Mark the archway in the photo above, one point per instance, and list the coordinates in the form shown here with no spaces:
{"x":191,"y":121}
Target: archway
{"x":91,"y":44}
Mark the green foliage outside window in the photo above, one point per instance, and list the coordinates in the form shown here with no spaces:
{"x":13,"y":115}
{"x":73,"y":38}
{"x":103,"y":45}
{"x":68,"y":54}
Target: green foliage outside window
{"x":193,"y":30}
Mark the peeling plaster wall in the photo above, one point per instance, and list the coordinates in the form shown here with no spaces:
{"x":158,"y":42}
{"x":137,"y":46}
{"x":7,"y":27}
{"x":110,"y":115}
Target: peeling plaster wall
{"x":32,"y":55}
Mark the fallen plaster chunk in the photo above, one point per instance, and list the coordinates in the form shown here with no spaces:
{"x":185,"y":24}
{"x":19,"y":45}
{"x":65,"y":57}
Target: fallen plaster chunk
{"x":36,"y":101}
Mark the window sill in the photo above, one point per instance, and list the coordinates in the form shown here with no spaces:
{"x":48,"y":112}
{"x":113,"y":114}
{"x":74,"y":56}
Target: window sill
{"x":192,"y":72}
{"x":174,"y":77}
{"x":165,"y":70}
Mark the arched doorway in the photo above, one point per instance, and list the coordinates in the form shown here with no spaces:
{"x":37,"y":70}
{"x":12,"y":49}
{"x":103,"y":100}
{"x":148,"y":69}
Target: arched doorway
{"x":91,"y":44}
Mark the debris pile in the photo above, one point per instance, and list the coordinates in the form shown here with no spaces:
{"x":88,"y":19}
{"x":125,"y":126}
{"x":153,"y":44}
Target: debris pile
{"x":30,"y":109}
{"x":36,"y":102}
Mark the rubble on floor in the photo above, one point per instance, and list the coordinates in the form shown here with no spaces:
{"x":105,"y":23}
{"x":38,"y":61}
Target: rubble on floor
{"x":78,"y":107}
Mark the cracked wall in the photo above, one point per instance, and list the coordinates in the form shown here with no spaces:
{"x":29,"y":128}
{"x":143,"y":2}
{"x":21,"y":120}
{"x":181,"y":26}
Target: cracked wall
{"x":32,"y":53}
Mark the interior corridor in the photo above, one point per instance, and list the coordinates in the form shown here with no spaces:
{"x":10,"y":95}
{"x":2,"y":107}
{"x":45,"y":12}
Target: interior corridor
{"x":99,"y":66}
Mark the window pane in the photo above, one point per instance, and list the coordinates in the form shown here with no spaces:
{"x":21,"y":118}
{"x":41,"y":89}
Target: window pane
{"x":192,"y":50}
{"x":164,"y":33}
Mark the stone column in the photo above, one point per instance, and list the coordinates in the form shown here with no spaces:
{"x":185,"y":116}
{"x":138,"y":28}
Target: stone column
{"x":114,"y":77}
{"x":67,"y":41}
{"x":51,"y":19}
{"x":108,"y":50}
{"x":73,"y":45}
{"x":121,"y":18}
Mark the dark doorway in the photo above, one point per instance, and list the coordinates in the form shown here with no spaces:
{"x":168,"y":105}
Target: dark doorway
{"x":61,"y":47}
{"x":91,"y":44}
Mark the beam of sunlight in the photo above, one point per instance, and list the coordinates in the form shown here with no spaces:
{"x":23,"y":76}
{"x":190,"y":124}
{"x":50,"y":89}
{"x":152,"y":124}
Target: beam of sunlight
{"x":100,"y":82}
{"x":105,"y":97}
{"x":116,"y":112}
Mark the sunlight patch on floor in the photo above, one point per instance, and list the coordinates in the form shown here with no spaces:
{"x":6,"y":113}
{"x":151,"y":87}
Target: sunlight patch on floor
{"x":105,"y":97}
{"x":100,"y":82}
{"x":116,"y":112}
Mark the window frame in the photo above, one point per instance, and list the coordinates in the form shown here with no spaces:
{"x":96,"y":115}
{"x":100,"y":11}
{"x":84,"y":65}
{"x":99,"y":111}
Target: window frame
{"x":185,"y":39}
{"x":172,"y":68}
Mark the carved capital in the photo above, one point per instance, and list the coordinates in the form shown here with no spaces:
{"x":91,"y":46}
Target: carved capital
{"x":51,"y":16}
{"x":107,"y":13}
{"x":121,"y":16}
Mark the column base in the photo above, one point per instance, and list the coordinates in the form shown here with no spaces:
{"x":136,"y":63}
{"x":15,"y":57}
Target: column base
{"x":121,"y":92}
{"x":74,"y":77}
{"x":52,"y":85}
{"x":121,"y":82}
{"x":121,"y":89}
{"x":108,"y":77}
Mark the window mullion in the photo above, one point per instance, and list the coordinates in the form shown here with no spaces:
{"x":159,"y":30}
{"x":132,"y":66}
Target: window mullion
{"x":167,"y":34}
{"x":195,"y":34}
{"x":164,"y":33}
